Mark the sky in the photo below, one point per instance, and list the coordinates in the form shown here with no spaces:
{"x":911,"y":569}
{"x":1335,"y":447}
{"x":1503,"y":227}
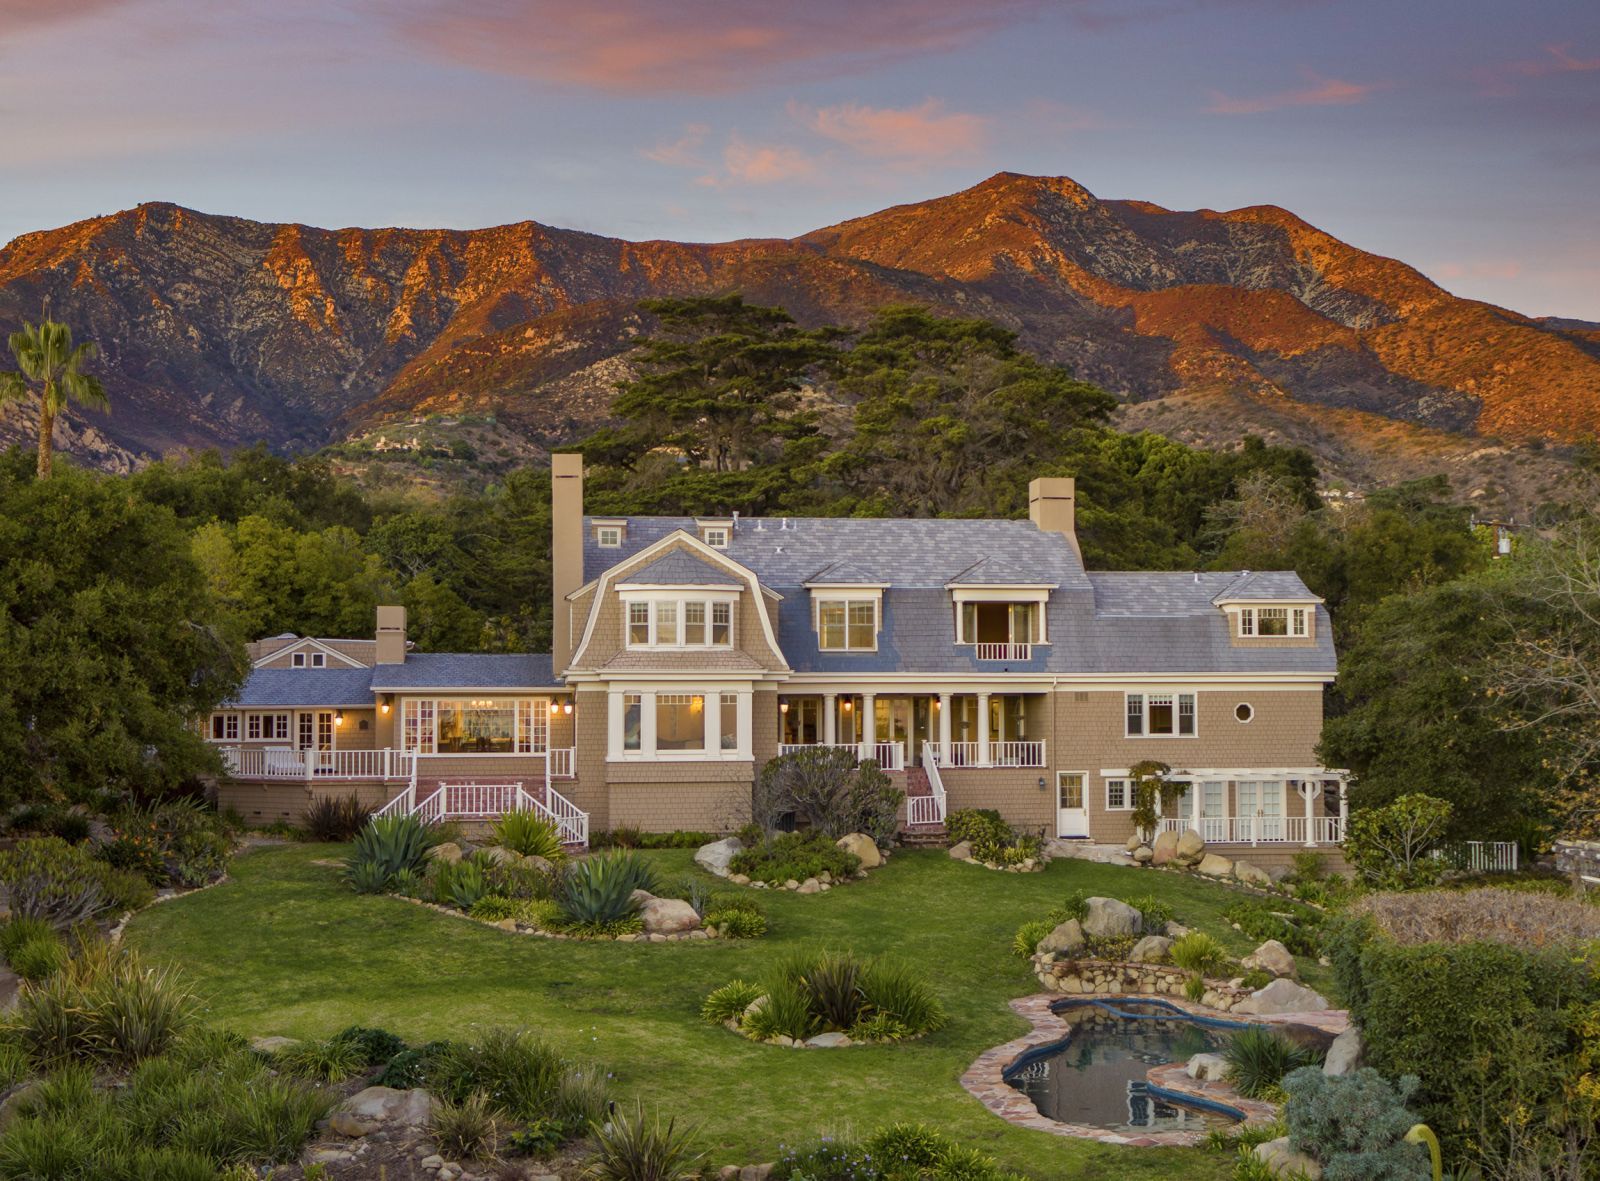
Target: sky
{"x":1461,"y":136}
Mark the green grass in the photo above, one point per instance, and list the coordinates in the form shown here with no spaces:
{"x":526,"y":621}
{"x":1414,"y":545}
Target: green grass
{"x":284,"y":948}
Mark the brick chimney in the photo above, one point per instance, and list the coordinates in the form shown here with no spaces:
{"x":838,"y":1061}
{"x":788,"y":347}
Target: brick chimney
{"x":391,"y":635}
{"x":1052,"y":506}
{"x":566,"y":550}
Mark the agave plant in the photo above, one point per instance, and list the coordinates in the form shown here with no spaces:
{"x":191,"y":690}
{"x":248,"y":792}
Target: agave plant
{"x":599,"y":890}
{"x":469,"y":882}
{"x":530,"y":834}
{"x":389,"y":845}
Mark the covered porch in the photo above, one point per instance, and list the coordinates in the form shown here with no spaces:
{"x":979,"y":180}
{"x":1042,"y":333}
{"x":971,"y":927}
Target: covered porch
{"x":1305,"y":806}
{"x":949,"y":729}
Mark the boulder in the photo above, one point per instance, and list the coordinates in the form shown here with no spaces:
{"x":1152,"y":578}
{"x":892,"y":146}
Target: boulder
{"x":1253,"y":875}
{"x":449,"y":851}
{"x":1133,"y":842}
{"x":1144,"y":855}
{"x":862,"y":846}
{"x":1277,"y":873}
{"x":718,"y":855}
{"x":344,"y":1123}
{"x":1152,"y":949}
{"x":1207,"y":1067}
{"x":1190,"y":847}
{"x":10,"y":985}
{"x":668,"y":916}
{"x":1165,"y":848}
{"x":1067,"y":939}
{"x":810,"y":886}
{"x":640,"y":897}
{"x":828,"y":1041}
{"x":1214,"y":866}
{"x":1108,"y":918}
{"x":961,"y":851}
{"x":1273,"y":957}
{"x":388,"y":1105}
{"x":755,"y":1172}
{"x":1282,"y":996}
{"x":534,"y":861}
{"x":1344,"y":1055}
{"x":740,"y":879}
{"x":500,"y":855}
{"x":1284,"y":1161}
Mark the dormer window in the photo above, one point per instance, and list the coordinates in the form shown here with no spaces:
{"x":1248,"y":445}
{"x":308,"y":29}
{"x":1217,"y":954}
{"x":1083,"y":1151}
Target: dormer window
{"x":1275,"y":622}
{"x":716,"y":536}
{"x":680,"y":623}
{"x":608,"y":536}
{"x":847,"y":625}
{"x":308,"y":660}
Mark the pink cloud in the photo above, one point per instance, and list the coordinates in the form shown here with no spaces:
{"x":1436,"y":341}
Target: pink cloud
{"x":1558,"y":59}
{"x":1319,"y":92}
{"x":21,"y":16}
{"x":760,"y":164}
{"x":925,"y":132}
{"x":683,"y":152}
{"x":698,"y":46}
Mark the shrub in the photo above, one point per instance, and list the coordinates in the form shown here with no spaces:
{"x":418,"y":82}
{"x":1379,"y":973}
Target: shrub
{"x":630,"y":1148}
{"x":39,"y":957}
{"x":330,"y":1061}
{"x":1389,"y":845}
{"x":375,"y":1046}
{"x":104,"y":1006}
{"x":812,"y":992}
{"x":737,"y":923}
{"x":633,"y":838}
{"x":1026,"y":941}
{"x":541,"y":1137}
{"x":898,"y":1152}
{"x":179,"y":842}
{"x":975,"y":825}
{"x":729,"y":1002}
{"x":519,"y":1075}
{"x":465,"y":1130}
{"x":15,"y":932}
{"x":368,"y":877}
{"x":1155,"y":913}
{"x":530,"y":834}
{"x":1258,"y":1057}
{"x":390,"y":844}
{"x":411,"y":1067}
{"x":1515,"y":917}
{"x":493,"y":908}
{"x":1299,"y":928}
{"x":46,"y":878}
{"x":1194,"y":988}
{"x":830,"y":792}
{"x":893,"y":988}
{"x":1074,"y":906}
{"x":1256,"y":978}
{"x":597,"y":891}
{"x":1199,"y":953}
{"x":796,"y":855}
{"x":541,"y":913}
{"x":336,"y":818}
{"x":1355,"y":1125}
{"x":1308,"y":866}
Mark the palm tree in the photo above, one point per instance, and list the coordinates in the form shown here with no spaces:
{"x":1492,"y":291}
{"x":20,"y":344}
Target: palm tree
{"x":50,"y":368}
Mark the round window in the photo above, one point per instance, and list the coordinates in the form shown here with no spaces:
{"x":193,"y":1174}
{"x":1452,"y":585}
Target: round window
{"x":1243,"y":711}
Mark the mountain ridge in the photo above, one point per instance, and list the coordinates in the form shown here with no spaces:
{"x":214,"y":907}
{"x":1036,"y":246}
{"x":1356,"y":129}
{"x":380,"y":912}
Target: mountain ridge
{"x":222,"y":331}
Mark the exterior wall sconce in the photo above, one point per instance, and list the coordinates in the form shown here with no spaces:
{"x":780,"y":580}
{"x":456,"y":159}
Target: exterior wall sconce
{"x":383,"y":706}
{"x":566,"y":708}
{"x":783,"y":707}
{"x":555,"y":708}
{"x":338,"y":718}
{"x":1041,"y":783}
{"x":936,"y":703}
{"x":847,"y":704}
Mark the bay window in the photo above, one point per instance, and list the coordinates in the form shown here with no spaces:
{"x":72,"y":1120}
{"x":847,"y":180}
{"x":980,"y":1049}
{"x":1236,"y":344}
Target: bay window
{"x":632,"y":721}
{"x":679,"y":623}
{"x":680,"y":721}
{"x":1160,"y":715}
{"x":670,"y":723}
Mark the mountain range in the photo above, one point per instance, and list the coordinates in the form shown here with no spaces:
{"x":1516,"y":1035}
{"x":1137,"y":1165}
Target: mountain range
{"x":220,"y":331}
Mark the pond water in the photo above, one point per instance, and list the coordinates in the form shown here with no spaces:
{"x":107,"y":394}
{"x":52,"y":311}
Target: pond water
{"x":1096,"y":1074}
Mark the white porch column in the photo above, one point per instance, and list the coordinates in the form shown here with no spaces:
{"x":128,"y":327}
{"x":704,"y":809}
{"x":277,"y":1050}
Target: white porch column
{"x":1197,"y":789}
{"x":983,"y":730}
{"x":868,"y":725}
{"x":1344,"y":808}
{"x":830,"y":711}
{"x":944,"y":728}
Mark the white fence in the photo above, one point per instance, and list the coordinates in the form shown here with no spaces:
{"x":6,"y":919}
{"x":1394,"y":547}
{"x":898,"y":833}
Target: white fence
{"x":891,"y":756}
{"x":1480,"y":856}
{"x":1260,"y":830}
{"x":1001,"y":754}
{"x":1003,"y":651}
{"x":283,"y":762}
{"x":490,"y":801}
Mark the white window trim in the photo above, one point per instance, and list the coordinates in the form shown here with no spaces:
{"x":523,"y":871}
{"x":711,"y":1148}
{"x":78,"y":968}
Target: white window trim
{"x":1127,"y":794}
{"x":680,"y":597}
{"x":847,"y":595}
{"x":713,"y":752}
{"x":1146,"y":694}
{"x":523,"y":710}
{"x":961,"y":595}
{"x":1303,"y":614}
{"x":605,"y":529}
{"x":716,"y":536}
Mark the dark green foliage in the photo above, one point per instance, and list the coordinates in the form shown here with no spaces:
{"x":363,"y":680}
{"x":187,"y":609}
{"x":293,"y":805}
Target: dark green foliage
{"x":375,"y":1046}
{"x":385,"y":847}
{"x":892,"y":1153}
{"x":796,"y":855}
{"x":1199,"y":953}
{"x":829,"y":791}
{"x":1389,"y":845}
{"x":808,"y":992}
{"x":39,"y":957}
{"x":538,"y":1137}
{"x":632,"y":838}
{"x":630,"y":1147}
{"x":598,"y":889}
{"x":336,"y":818}
{"x":45,"y":878}
{"x":1155,"y":913}
{"x":410,"y":1067}
{"x":1355,"y":1125}
{"x":493,"y":908}
{"x":330,"y":1060}
{"x":520,"y":1076}
{"x":22,"y":929}
{"x":176,"y":843}
{"x":834,"y":985}
{"x":1026,"y":941}
{"x":729,"y":1002}
{"x":465,"y":1129}
{"x":1259,"y":1056}
{"x":991,"y":838}
{"x":1299,"y":928}
{"x":462,"y":884}
{"x":529,"y":834}
{"x":736,"y":922}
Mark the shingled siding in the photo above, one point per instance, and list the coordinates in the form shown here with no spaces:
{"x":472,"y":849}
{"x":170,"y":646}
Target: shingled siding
{"x":588,"y":791}
{"x":1013,"y":792}
{"x":701,"y":804}
{"x":262,"y":803}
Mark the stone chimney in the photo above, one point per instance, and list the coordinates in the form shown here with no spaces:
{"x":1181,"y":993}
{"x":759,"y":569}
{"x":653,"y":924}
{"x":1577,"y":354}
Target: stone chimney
{"x":566,"y":550}
{"x":1052,"y":506}
{"x":391,"y":635}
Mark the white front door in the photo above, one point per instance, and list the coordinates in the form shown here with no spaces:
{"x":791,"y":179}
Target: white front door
{"x":1072,"y":812}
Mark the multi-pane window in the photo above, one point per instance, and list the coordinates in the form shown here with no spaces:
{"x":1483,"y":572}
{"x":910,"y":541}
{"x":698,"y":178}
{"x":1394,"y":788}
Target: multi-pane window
{"x":638,"y":624}
{"x":667,"y":623}
{"x":721,"y":624}
{"x":999,"y":623}
{"x":1158,"y":715}
{"x":717,"y":537}
{"x":694,"y":624}
{"x":533,"y":725}
{"x":670,"y":623}
{"x":1119,"y":796}
{"x":847,"y":625}
{"x":308,"y":660}
{"x":632,"y":720}
{"x":416,"y":726}
{"x":730,"y":721}
{"x":680,"y":721}
{"x":266,"y":727}
{"x":608,"y":536}
{"x":1275,"y":622}
{"x":225,"y":727}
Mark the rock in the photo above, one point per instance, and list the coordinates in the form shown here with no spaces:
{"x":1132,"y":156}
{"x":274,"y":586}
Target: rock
{"x":1133,"y":842}
{"x":739,"y":879}
{"x":755,"y":1006}
{"x":728,"y":1173}
{"x":1144,"y":855}
{"x":1273,"y":957}
{"x":1108,"y":918}
{"x":1277,"y":873}
{"x":863,"y":847}
{"x":810,"y":886}
{"x":500,"y":855}
{"x":353,"y":1126}
{"x":1207,"y":1067}
{"x":668,"y":916}
{"x":828,"y":1040}
{"x":506,"y":924}
{"x":1253,"y":875}
{"x":1190,"y":847}
{"x":271,"y":1045}
{"x":825,"y":878}
{"x":791,"y":884}
{"x":435,"y":1161}
{"x":1282,"y":996}
{"x":1214,"y":866}
{"x":1164,"y":848}
{"x":961,"y":851}
{"x":329,"y":1156}
{"x":718,"y":855}
{"x":389,"y":1105}
{"x":534,"y":861}
{"x":640,"y":897}
{"x":1067,"y":939}
{"x":1285,"y":1161}
{"x":9,"y":1106}
{"x":1344,"y":1055}
{"x":755,"y":1172}
{"x":1174,"y":929}
{"x":449,"y":851}
{"x":1152,"y":949}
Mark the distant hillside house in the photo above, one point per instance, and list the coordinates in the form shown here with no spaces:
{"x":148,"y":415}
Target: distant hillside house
{"x":976,"y":660}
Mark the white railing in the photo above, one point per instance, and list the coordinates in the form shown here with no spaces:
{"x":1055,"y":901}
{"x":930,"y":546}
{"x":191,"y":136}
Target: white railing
{"x":1001,"y":754}
{"x":490,"y":801}
{"x":891,"y":756}
{"x":571,"y":820}
{"x":1003,"y":651}
{"x":931,"y":808}
{"x":402,"y":805}
{"x":1480,"y":856}
{"x":559,"y":762}
{"x":282,"y":762}
{"x":789,"y":748}
{"x":1259,"y":830}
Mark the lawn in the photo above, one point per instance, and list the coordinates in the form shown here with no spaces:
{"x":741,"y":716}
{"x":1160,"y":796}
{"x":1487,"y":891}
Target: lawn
{"x":284,"y":948}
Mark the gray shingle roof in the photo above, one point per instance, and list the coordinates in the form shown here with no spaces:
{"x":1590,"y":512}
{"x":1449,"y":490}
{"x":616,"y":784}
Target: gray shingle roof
{"x":465,"y":670}
{"x":1001,"y":570}
{"x":291,"y":687}
{"x":844,"y":574}
{"x":680,"y":568}
{"x":1264,"y":584}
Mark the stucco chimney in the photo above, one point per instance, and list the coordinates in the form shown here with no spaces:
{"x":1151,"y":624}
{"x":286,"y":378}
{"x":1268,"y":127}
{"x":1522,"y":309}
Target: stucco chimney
{"x":1052,"y":506}
{"x":566,"y":550}
{"x":391,"y":635}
